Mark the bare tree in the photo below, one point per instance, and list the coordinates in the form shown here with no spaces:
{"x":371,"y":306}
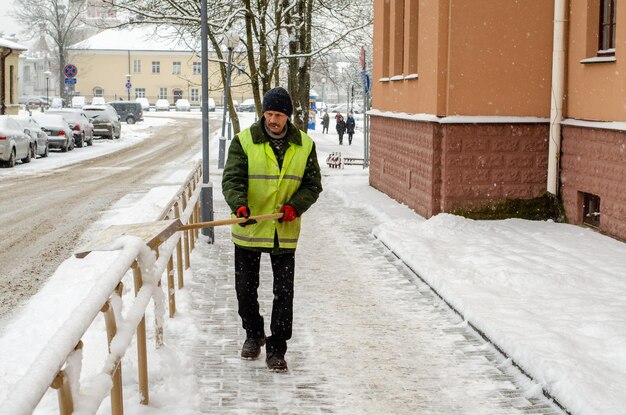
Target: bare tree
{"x":60,"y":20}
{"x":276,"y":35}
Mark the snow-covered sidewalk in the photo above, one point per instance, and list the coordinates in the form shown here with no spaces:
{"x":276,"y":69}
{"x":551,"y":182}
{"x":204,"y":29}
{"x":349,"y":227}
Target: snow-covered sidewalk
{"x":371,"y":338}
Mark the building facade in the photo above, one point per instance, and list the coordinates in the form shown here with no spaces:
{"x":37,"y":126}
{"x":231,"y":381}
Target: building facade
{"x":9,"y":61}
{"x":462,"y":106}
{"x":138,"y":63}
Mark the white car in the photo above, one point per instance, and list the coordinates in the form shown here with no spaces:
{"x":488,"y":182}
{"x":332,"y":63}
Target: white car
{"x":78,"y":102}
{"x":38,"y":138}
{"x":162,"y":105}
{"x":145,"y":105}
{"x":247,"y":105}
{"x":14,"y":142}
{"x":98,"y":101}
{"x":211,"y":104}
{"x":183,"y":105}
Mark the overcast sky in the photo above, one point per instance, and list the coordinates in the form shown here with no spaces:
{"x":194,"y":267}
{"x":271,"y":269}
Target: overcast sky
{"x":8,"y":25}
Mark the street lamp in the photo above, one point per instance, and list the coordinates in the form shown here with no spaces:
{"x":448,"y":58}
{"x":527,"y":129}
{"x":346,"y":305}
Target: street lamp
{"x":232,"y":40}
{"x":47,"y":74}
{"x":206,"y":191}
{"x":128,"y":85}
{"x":324,"y":90}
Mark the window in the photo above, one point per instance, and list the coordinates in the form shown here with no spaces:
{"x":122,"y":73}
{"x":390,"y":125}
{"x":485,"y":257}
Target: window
{"x":162,"y":93}
{"x":140,"y":92}
{"x":591,"y":210}
{"x":156,"y":67}
{"x":176,"y":68}
{"x":136,"y":66}
{"x":195,"y":95}
{"x":607,"y":28}
{"x":98,"y":92}
{"x":197,"y":68}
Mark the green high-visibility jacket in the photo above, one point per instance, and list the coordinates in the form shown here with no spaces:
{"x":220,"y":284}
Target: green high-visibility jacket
{"x":265,"y":187}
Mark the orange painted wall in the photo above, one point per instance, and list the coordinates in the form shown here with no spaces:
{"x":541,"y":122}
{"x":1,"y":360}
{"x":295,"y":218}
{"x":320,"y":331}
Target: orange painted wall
{"x":595,"y":91}
{"x":482,"y":57}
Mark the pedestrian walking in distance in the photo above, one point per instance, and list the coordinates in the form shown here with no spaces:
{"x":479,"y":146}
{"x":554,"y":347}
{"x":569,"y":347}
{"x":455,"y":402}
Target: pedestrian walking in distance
{"x":325,"y":122}
{"x":350,"y":124}
{"x":271,"y":167}
{"x":341,"y":128}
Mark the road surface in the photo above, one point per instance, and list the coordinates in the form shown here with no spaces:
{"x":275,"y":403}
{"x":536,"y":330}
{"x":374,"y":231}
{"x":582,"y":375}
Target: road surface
{"x":42,"y":217}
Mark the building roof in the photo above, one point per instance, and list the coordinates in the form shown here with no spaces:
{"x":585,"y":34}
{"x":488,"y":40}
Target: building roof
{"x":139,"y":38}
{"x":4,"y":43}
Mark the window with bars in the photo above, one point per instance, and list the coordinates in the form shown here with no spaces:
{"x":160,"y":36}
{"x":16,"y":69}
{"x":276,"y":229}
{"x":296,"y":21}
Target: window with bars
{"x":156,"y":67}
{"x":606,"y":46}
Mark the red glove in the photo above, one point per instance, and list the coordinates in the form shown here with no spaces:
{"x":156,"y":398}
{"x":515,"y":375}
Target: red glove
{"x":244,"y":212}
{"x":289,"y":214}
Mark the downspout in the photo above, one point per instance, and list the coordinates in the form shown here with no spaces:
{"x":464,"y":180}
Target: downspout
{"x":557,"y":95}
{"x":3,"y":94}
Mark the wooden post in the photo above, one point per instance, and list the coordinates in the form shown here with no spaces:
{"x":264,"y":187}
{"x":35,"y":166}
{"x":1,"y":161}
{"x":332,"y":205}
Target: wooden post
{"x":179,"y":252}
{"x":142,"y":355}
{"x":64,"y":393}
{"x":171,"y":291}
{"x":117,"y":397}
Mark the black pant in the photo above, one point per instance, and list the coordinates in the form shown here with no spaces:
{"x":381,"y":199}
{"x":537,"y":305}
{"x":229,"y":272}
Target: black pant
{"x":340,"y":138}
{"x":350,"y":138}
{"x":247,"y":264}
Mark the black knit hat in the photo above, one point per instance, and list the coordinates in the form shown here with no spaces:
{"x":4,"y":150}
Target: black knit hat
{"x":278,"y":99}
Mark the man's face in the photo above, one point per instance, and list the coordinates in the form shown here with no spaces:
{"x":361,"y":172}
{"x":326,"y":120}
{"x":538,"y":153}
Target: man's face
{"x":275,"y":121}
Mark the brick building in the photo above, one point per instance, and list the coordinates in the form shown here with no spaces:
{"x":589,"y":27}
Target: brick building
{"x":479,"y":102}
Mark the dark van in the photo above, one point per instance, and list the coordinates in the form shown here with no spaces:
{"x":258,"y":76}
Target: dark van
{"x":131,"y":112}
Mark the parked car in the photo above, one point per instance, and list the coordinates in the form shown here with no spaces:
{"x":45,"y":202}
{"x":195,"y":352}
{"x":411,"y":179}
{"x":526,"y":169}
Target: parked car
{"x":57,"y":102}
{"x":247,"y":105}
{"x":38,"y":138}
{"x":162,"y":105}
{"x":58,"y":130}
{"x":182,"y":105}
{"x":82,"y":128}
{"x":78,"y":102}
{"x":131,"y":112}
{"x":211,"y":104}
{"x":33,"y":101}
{"x":14,"y":142}
{"x":344,"y":109}
{"x":145,"y":104}
{"x":98,"y":101}
{"x":106,"y":122}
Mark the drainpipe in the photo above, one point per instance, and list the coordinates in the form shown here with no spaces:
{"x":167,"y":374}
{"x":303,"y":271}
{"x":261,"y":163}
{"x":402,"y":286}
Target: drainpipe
{"x":557,"y":94}
{"x":3,"y":94}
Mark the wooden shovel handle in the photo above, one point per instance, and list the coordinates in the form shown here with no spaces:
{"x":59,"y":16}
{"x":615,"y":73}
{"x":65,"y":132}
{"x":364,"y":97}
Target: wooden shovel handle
{"x":212,"y":223}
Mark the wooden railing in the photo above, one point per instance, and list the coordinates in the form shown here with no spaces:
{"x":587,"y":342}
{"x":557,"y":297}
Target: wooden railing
{"x":59,"y":363}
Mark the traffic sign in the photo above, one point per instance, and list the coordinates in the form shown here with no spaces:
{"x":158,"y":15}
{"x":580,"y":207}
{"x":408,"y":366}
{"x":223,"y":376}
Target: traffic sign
{"x":70,"y":71}
{"x":128,"y":85}
{"x":70,"y":81}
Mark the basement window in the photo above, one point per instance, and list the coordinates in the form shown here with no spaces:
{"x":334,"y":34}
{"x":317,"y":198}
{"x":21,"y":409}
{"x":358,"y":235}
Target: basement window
{"x":591,"y":210}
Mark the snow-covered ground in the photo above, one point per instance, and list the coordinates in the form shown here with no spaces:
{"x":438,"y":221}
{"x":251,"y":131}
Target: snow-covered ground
{"x":551,"y":296}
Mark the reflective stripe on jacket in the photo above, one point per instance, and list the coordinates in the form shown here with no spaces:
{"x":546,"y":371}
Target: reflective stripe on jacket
{"x":269,"y":188}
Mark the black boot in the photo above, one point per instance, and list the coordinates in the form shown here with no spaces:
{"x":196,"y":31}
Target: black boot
{"x":252,"y":347}
{"x":276,"y":362}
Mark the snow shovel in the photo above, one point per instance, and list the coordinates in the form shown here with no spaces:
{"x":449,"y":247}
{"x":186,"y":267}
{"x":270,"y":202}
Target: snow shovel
{"x":155,"y":233}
